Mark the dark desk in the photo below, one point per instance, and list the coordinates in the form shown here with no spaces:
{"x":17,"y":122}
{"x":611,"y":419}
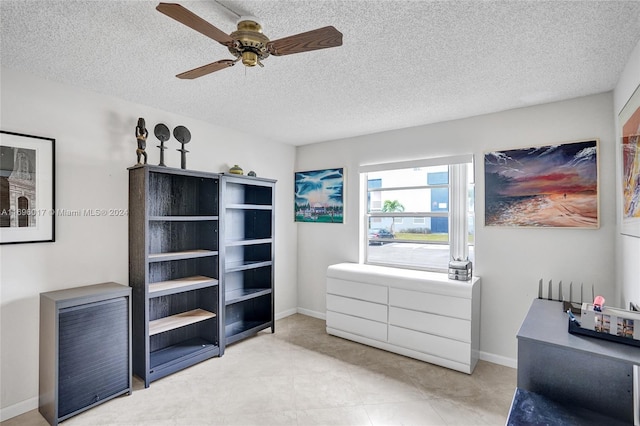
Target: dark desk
{"x":528,"y":408}
{"x":576,"y":371}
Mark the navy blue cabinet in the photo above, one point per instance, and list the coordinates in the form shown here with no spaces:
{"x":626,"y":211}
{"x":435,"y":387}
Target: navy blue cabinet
{"x":85,"y":348}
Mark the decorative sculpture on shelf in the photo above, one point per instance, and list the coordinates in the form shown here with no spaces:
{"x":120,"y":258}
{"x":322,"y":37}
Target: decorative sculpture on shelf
{"x":183,"y":136}
{"x":141,"y":136}
{"x":236,"y":170}
{"x":163,"y":134}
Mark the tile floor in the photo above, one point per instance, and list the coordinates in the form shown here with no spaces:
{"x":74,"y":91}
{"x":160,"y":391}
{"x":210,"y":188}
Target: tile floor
{"x":302,"y":376}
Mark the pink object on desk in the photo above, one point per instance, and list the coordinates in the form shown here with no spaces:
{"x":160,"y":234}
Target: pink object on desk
{"x":598,"y":303}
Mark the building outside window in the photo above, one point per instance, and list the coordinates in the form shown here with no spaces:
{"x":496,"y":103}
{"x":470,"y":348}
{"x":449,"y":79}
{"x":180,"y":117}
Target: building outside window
{"x":409,"y":215}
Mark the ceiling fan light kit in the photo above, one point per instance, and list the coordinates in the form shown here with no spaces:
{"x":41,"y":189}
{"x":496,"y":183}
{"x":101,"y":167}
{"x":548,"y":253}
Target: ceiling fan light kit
{"x":248,"y":43}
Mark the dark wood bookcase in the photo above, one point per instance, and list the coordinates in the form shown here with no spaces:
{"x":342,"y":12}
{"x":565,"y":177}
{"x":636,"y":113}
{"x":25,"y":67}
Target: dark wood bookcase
{"x":247,"y":255}
{"x":174,"y":268}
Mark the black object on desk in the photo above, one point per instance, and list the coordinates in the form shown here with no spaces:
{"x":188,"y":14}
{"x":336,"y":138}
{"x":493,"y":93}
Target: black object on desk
{"x":577,"y":329}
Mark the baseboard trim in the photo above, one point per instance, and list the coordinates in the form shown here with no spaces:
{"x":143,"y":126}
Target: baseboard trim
{"x":314,"y":314}
{"x":286,"y":313}
{"x":22,"y":407}
{"x":499,"y":359}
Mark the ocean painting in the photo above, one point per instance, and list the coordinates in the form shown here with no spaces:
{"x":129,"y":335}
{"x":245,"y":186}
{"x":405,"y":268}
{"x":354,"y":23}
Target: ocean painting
{"x":543,"y":186}
{"x":319,"y":196}
{"x":630,"y":121}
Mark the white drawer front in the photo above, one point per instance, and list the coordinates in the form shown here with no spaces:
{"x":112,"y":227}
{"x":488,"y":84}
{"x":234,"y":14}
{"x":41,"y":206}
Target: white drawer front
{"x":356,"y":290}
{"x":358,"y":308}
{"x":430,"y":344}
{"x":454,"y":328}
{"x":355,"y":325}
{"x":434,"y":303}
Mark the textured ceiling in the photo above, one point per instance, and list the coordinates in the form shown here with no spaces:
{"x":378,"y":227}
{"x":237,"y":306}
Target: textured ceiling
{"x":402,"y":63}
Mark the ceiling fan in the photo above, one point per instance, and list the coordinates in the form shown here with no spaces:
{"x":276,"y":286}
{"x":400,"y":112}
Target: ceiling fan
{"x":248,"y":43}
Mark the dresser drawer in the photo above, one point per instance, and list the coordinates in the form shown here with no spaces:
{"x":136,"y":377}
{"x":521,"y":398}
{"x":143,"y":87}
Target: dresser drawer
{"x":454,"y":328}
{"x":434,"y":345}
{"x":357,"y":290}
{"x":360,"y":326}
{"x":358,"y":308}
{"x":433,"y":303}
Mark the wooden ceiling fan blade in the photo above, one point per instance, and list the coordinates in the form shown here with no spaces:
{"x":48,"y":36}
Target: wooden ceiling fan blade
{"x":191,"y":20}
{"x":207,"y":69}
{"x":322,"y":38}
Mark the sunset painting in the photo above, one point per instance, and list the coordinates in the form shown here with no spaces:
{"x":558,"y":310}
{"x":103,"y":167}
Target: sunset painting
{"x":319,"y":196}
{"x":630,"y":121}
{"x":544,"y":186}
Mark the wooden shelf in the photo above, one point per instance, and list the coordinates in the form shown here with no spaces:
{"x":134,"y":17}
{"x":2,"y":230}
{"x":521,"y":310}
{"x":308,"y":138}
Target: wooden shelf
{"x":182,"y":218}
{"x":164,"y":288}
{"x":179,"y":320}
{"x":178,"y":255}
{"x":239,"y":295}
{"x":249,"y":264}
{"x":240,"y":329}
{"x":249,"y":206}
{"x":175,"y":354}
{"x":248,"y":242}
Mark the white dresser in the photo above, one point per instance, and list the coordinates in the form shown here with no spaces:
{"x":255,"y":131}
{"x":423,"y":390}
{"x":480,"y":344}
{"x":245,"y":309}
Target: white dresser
{"x":419,"y":314}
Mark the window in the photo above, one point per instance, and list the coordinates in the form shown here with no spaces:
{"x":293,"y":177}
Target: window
{"x":418,"y":214}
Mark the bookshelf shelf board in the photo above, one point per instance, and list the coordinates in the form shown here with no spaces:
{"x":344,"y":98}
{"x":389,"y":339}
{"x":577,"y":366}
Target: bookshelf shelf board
{"x":182,"y":218}
{"x":175,"y":354}
{"x":248,"y":242}
{"x":164,"y":288}
{"x":249,"y":206}
{"x":237,"y":330}
{"x":240,"y":295}
{"x":248,"y":264}
{"x":178,"y":255}
{"x":179,"y":320}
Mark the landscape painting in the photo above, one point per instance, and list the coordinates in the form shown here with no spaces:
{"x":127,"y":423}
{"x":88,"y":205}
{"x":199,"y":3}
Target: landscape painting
{"x":319,"y":196}
{"x":543,"y":186}
{"x":629,"y":120}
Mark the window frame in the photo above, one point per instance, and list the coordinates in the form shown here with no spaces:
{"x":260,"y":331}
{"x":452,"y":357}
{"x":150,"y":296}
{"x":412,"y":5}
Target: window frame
{"x":458,"y":209}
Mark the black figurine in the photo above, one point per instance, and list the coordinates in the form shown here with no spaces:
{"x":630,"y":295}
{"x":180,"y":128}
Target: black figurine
{"x":183,"y":136}
{"x":141,"y":136}
{"x":163,"y":134}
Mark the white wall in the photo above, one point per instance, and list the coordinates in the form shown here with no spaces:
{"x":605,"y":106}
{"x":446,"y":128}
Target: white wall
{"x":628,"y":260}
{"x":95,"y":143}
{"x":509,"y":260}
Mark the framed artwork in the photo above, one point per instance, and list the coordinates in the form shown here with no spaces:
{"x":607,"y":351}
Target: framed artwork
{"x":27,"y":185}
{"x":319,"y":196}
{"x":629,"y":122}
{"x":544,"y":186}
